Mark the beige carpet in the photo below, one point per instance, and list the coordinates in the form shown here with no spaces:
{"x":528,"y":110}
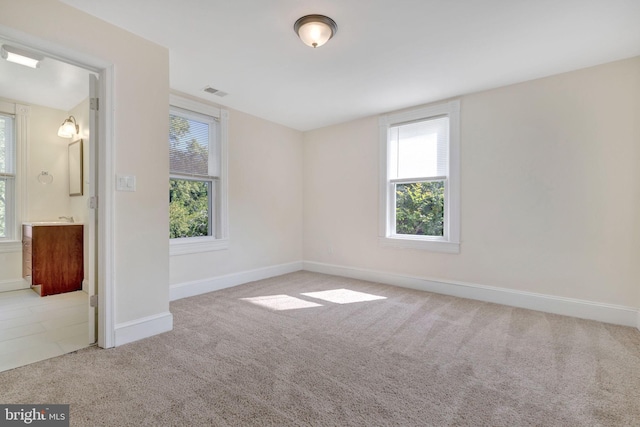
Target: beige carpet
{"x":345,"y":358}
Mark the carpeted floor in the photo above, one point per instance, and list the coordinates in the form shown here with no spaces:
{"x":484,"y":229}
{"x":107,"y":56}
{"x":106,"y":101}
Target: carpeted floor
{"x":364,"y":355}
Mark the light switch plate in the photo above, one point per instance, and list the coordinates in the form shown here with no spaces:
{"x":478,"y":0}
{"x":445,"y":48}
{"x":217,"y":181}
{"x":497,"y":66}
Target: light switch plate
{"x":125,"y":182}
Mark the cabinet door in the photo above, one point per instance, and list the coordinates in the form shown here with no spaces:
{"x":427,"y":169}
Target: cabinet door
{"x":57,"y":258}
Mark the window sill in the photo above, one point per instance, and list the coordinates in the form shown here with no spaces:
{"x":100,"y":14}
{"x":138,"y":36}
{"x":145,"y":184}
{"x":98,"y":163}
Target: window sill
{"x":422,"y":244}
{"x":195,"y":245}
{"x":9,"y":246}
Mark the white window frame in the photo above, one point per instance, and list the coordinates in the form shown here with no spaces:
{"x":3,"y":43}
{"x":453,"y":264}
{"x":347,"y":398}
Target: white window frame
{"x":12,"y":242}
{"x":219,"y":241}
{"x":450,"y":241}
{"x":10,"y":181}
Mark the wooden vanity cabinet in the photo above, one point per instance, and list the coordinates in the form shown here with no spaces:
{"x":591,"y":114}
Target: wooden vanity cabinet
{"x":52,"y":257}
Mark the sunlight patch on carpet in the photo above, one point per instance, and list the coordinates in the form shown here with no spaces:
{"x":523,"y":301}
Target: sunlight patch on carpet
{"x":343,"y":296}
{"x":281,"y":302}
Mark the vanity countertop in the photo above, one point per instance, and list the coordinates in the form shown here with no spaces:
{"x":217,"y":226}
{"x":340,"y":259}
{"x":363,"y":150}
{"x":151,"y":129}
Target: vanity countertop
{"x":40,"y":223}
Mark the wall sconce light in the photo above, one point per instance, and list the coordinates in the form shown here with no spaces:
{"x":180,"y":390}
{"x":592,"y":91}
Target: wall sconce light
{"x":315,"y":30}
{"x":21,"y":56}
{"x":68,"y":128}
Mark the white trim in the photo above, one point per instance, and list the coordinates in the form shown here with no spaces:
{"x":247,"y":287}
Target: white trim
{"x":194,"y":245}
{"x":609,"y":313}
{"x":386,"y":209}
{"x":106,"y":212}
{"x":183,"y":246}
{"x":384,"y":222}
{"x":13,"y":285}
{"x":223,"y":213}
{"x":453,"y":184}
{"x":198,"y":287}
{"x":16,"y":192}
{"x":194,"y":106}
{"x":145,"y":327}
{"x":12,"y":246}
{"x":23,"y":112}
{"x":410,"y":242}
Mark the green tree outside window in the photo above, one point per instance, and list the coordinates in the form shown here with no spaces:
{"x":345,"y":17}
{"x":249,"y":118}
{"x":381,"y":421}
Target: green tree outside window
{"x":420,"y":208}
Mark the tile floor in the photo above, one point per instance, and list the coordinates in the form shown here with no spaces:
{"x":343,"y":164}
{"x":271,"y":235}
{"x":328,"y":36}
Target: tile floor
{"x":34,"y":328}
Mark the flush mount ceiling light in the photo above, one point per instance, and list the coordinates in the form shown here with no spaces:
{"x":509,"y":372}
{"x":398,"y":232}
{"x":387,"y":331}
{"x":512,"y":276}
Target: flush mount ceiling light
{"x":315,"y":30}
{"x":68,"y":128}
{"x":21,"y":56}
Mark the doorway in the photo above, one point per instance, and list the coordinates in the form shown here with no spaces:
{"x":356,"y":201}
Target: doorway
{"x":38,"y":327}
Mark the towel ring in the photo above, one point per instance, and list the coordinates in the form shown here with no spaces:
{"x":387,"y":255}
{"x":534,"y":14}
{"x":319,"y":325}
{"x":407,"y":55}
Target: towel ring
{"x":45,"y":178}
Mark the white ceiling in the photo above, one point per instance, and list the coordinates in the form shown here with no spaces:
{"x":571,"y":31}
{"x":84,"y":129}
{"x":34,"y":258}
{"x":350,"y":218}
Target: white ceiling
{"x":54,"y":84}
{"x":386,"y":55}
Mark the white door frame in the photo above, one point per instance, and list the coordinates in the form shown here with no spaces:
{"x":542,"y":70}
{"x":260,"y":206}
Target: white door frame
{"x":105,"y":70}
{"x":106,"y":171}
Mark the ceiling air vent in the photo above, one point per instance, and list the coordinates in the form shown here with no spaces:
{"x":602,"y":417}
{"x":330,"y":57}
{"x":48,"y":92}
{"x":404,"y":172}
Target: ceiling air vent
{"x":214,"y":91}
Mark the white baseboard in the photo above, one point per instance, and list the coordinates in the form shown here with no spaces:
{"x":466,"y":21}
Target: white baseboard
{"x":609,"y":313}
{"x":143,"y":328}
{"x":13,"y":285}
{"x":189,"y":289}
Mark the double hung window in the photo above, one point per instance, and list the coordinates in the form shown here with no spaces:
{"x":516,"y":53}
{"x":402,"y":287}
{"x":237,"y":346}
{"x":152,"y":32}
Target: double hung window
{"x":420,"y":178}
{"x":197,"y":181}
{"x":7,"y":177}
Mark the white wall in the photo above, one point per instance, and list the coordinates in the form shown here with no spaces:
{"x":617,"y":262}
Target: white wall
{"x":140,"y":124}
{"x":46,"y":151}
{"x":265,"y":203}
{"x":550,"y":190}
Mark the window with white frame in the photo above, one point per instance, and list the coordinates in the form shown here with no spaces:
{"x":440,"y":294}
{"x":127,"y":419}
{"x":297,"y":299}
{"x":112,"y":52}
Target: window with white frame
{"x":420,"y":178}
{"x":7,"y":177}
{"x":197,"y":180}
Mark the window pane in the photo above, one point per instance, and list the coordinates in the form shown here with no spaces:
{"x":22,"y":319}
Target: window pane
{"x":420,"y":208}
{"x":6,"y":145}
{"x":188,"y":146}
{"x":7,"y":168}
{"x":3,"y":208}
{"x":189,"y":208}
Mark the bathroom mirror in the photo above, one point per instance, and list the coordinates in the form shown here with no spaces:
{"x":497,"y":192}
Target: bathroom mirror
{"x":75,"y":168}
